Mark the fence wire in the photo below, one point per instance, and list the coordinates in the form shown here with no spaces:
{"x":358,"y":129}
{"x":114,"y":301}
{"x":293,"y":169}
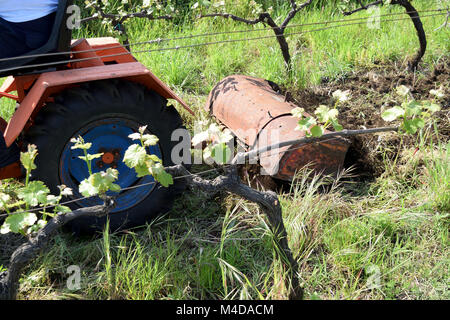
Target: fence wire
{"x":204,"y":35}
{"x":340,"y":23}
{"x":195,"y":45}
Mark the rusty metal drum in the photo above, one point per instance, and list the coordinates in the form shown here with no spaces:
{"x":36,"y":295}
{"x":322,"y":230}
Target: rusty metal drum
{"x":260,"y":116}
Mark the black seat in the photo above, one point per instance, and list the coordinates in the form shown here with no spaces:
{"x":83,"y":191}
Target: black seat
{"x":59,"y":41}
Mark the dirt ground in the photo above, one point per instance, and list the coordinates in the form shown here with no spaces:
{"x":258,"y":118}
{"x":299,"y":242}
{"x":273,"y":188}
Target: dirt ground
{"x":371,"y":92}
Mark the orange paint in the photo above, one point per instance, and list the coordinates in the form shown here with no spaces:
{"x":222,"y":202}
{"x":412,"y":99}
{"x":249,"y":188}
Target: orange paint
{"x":108,"y":158}
{"x":11,"y":171}
{"x":33,"y":91}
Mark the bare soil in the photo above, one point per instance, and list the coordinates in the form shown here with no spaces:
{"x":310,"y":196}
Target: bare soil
{"x":373,"y":91}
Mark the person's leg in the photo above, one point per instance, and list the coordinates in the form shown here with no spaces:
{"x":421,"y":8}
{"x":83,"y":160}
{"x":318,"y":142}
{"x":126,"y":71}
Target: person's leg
{"x":37,"y":32}
{"x":7,"y":155}
{"x":19,"y":38}
{"x":12,"y":42}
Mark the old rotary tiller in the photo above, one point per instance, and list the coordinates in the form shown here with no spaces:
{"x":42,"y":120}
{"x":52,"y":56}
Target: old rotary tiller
{"x":96,"y":89}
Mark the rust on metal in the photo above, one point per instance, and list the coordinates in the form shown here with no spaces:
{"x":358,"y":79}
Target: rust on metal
{"x":245,"y":104}
{"x":259,"y":116}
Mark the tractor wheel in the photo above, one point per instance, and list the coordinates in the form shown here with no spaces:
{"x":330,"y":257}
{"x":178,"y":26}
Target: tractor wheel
{"x":105,"y":113}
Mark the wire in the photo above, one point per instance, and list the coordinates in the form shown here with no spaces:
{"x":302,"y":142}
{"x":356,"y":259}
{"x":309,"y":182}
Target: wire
{"x":203,"y":44}
{"x":122,"y":190}
{"x":205,"y":35}
{"x":259,"y":157}
{"x":178,"y":177}
{"x":176,"y":48}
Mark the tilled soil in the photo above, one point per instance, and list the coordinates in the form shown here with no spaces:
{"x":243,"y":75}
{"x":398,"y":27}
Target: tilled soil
{"x":373,"y":91}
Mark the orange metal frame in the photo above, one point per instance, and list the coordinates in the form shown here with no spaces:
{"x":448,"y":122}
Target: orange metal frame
{"x":110,"y":60}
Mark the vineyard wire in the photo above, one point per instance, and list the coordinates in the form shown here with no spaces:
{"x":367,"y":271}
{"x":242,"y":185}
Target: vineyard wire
{"x":159,"y":40}
{"x":203,"y":44}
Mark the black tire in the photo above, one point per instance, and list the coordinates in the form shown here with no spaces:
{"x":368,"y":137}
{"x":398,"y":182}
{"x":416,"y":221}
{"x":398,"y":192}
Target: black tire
{"x":78,"y":107}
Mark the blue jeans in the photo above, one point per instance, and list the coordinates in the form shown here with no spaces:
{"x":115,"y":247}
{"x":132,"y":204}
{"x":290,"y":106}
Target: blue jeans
{"x":19,"y":38}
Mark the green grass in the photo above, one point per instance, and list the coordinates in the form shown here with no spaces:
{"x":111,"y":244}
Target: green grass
{"x":7,"y":106}
{"x":387,"y":239}
{"x":223,"y":249}
{"x":326,"y":53}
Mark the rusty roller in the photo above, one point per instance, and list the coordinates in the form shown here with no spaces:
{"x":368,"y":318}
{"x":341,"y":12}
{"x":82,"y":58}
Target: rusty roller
{"x":259,"y":116}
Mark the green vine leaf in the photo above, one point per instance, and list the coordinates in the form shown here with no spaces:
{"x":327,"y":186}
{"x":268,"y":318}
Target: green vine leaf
{"x":342,"y":96}
{"x":403,"y":90}
{"x":393,"y":114}
{"x":216,"y":139}
{"x":315,"y":127}
{"x":317,"y":131}
{"x":432,"y":107}
{"x":87,"y":189}
{"x":305,"y":124}
{"x":27,"y":158}
{"x":413,"y":108}
{"x":212,"y":135}
{"x":17,"y":223}
{"x":144,"y":164}
{"x":36,"y":192}
{"x":439,"y":93}
{"x":37,"y":226}
{"x":99,"y":183}
{"x":412,"y":113}
{"x":4,"y":199}
{"x":90,"y":157}
{"x":135,"y":156}
{"x":80,"y":144}
{"x":62,"y":209}
{"x":337,"y":126}
{"x":150,"y":140}
{"x":325,"y":114}
{"x":161,"y":175}
{"x":412,"y":126}
{"x":298,"y":112}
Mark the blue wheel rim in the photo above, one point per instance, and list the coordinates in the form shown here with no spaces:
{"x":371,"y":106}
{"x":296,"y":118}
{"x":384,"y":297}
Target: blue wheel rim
{"x":107,"y":136}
